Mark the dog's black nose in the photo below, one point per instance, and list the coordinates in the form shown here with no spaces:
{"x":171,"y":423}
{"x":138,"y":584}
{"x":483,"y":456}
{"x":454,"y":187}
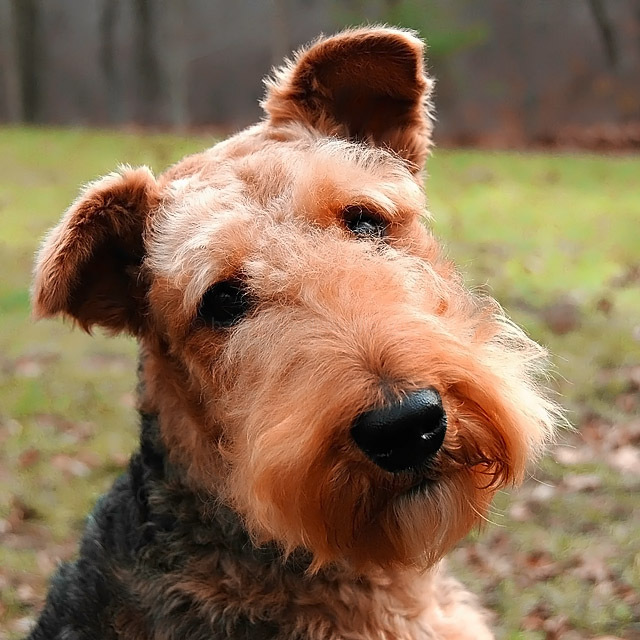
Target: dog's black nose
{"x":403,"y":435}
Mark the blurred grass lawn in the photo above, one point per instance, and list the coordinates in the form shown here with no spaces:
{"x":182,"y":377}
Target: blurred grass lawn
{"x":531,"y":229}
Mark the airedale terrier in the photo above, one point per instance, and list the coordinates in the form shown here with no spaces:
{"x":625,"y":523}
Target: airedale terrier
{"x":326,"y":410}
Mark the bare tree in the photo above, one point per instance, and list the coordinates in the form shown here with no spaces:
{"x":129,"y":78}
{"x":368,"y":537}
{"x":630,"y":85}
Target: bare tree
{"x":280,"y":33}
{"x":606,"y":31}
{"x":28,"y":53}
{"x":175,"y":61}
{"x":8,"y":71}
{"x":147,"y":67}
{"x":107,"y":26}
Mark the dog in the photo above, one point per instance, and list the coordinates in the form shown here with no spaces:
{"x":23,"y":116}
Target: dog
{"x":326,"y":410}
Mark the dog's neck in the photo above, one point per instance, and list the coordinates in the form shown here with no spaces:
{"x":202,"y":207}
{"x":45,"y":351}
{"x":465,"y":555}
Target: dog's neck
{"x":182,"y":428}
{"x":167,"y":497}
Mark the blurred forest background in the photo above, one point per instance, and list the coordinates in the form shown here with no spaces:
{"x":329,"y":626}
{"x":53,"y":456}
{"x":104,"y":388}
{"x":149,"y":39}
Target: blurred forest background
{"x":534,"y":188}
{"x":510,"y":72}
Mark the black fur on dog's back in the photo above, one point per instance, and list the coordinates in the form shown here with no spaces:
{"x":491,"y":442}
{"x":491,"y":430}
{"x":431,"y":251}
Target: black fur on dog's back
{"x":85,"y":593}
{"x":143,"y":532}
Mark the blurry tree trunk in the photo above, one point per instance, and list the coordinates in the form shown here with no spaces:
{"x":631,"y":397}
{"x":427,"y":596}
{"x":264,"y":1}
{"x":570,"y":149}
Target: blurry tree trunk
{"x":9,"y":71}
{"x":605,"y":29}
{"x":175,"y":61}
{"x":280,"y":46}
{"x":108,"y":22}
{"x":529,"y":91}
{"x":148,"y":72}
{"x":28,"y":55}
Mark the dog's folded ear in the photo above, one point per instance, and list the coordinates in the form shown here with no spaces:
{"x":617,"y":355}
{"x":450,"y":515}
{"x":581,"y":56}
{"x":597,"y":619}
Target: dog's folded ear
{"x":364,"y":84}
{"x":89,"y":266}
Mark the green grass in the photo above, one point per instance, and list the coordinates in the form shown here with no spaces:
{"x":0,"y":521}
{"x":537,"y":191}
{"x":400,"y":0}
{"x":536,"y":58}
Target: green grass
{"x":529,"y":228}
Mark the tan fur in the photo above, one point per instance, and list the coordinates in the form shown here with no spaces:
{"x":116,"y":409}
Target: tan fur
{"x":258,"y":416}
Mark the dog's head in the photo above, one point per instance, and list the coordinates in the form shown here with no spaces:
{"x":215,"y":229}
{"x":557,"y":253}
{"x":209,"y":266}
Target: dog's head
{"x":313,"y":359}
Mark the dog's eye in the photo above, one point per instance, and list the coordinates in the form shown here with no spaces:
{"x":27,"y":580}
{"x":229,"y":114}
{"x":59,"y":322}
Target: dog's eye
{"x":362,"y":222}
{"x":224,"y":304}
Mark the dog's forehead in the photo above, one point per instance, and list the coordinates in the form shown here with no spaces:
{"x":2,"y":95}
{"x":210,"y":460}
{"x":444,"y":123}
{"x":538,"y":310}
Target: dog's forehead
{"x":261,"y":169}
{"x":251,"y":190}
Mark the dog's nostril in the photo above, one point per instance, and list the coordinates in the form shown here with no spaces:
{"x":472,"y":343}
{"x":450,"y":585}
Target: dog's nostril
{"x":405,"y":434}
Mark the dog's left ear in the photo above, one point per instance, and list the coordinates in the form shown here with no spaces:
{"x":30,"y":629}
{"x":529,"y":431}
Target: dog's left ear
{"x":89,"y":266}
{"x":363,"y":84}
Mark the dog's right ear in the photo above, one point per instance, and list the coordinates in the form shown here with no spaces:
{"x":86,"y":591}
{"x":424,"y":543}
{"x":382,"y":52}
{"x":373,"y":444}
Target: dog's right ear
{"x":365,"y":84}
{"x":89,"y":266}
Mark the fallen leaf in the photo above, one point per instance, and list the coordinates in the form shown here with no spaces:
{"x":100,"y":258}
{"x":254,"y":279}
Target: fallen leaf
{"x":28,"y":458}
{"x":70,"y":466}
{"x":582,"y":482}
{"x":626,"y":460}
{"x":571,"y":456}
{"x":562,"y":316}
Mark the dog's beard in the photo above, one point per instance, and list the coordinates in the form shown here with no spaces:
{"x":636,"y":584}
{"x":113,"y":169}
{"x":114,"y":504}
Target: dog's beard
{"x":303,"y":484}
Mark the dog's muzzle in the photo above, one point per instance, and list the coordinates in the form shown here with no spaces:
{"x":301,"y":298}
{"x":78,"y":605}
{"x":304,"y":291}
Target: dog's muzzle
{"x":404,"y":435}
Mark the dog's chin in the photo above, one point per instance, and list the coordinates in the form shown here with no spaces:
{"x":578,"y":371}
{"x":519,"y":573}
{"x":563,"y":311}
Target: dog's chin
{"x":424,"y":520}
{"x":420,"y":490}
{"x":383,"y":521}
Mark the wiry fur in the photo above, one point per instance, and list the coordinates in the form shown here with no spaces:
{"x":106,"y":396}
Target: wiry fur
{"x":250,"y":512}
